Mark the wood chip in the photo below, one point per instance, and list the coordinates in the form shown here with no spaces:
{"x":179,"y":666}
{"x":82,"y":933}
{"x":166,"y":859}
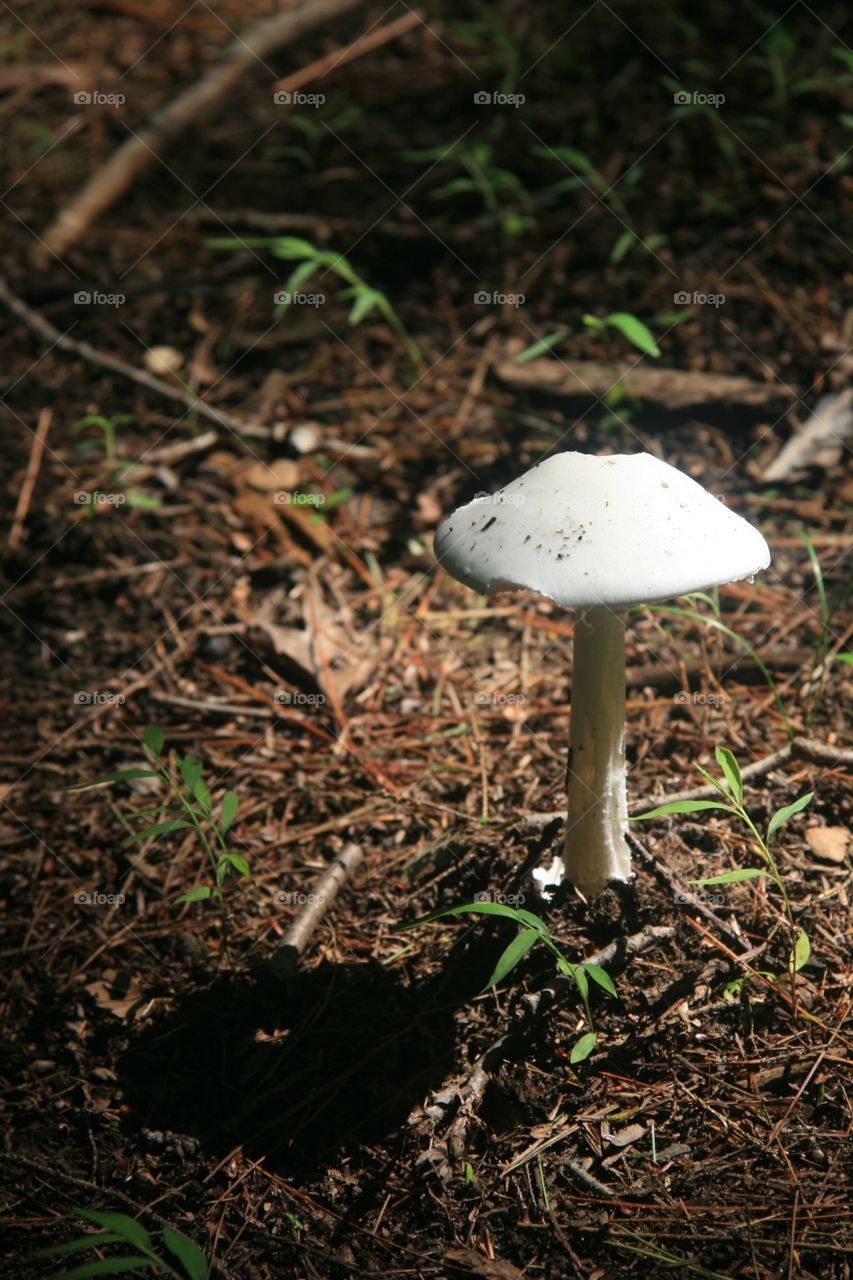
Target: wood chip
{"x":829,"y":843}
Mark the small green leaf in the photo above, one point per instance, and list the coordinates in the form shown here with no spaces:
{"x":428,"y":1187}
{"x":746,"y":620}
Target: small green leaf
{"x":581,"y":981}
{"x":477,"y":908}
{"x":622,"y":245}
{"x":540,"y":347}
{"x":732,"y":989}
{"x":518,"y":948}
{"x":78,"y":1246}
{"x":300,"y":275}
{"x":187,"y":1252}
{"x":154,"y":739}
{"x":731,"y":769}
{"x":107,"y":1267}
{"x":229,"y":809}
{"x":584,"y":1047}
{"x":602,"y":977}
{"x":191,"y":770}
{"x":202,"y":795}
{"x":844,"y":657}
{"x":123,"y":1225}
{"x":158,"y":829}
{"x":116,"y":775}
{"x":195,"y":895}
{"x":239,"y":863}
{"x":680,"y":806}
{"x":788,"y":811}
{"x":291,"y":248}
{"x":732,"y":877}
{"x":635,"y":331}
{"x":801,"y":951}
{"x":365,"y":301}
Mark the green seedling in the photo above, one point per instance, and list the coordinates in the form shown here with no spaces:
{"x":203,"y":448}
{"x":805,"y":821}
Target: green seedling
{"x":584,"y":173}
{"x":187,"y":1262}
{"x":117,"y":468}
{"x":506,"y":201}
{"x":315,"y":131}
{"x":637,"y":333}
{"x":191,"y":805}
{"x":312,"y":260}
{"x":633,"y":1242}
{"x":533,"y":929}
{"x":730,"y":788}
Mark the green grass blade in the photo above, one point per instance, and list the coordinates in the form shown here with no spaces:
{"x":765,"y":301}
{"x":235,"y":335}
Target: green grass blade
{"x":583,"y":1047}
{"x":786,"y":812}
{"x":516,"y":950}
{"x":188,"y":1254}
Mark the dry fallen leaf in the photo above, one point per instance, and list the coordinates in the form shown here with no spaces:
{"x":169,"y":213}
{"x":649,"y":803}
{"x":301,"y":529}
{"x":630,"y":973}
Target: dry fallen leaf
{"x":325,"y":648}
{"x":269,"y":477}
{"x":479,"y":1265}
{"x":631,"y":1133}
{"x":829,"y":843}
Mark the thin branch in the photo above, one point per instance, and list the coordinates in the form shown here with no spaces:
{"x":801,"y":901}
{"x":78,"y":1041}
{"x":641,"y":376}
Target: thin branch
{"x":319,"y":898}
{"x":42,"y":328}
{"x":198,"y":102}
{"x":27,"y":487}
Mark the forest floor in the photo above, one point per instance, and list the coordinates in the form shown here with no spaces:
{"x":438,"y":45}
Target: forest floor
{"x":269,"y":598}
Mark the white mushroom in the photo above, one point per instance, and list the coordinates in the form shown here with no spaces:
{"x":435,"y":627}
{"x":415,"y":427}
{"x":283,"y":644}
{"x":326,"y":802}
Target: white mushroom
{"x":599,"y":534}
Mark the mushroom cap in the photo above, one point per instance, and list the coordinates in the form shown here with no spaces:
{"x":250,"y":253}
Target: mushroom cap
{"x":585,"y":530}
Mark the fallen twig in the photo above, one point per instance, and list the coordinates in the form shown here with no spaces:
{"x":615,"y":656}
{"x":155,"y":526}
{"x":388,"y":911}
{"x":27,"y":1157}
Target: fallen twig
{"x":42,"y":328}
{"x":320,"y":897}
{"x":807,"y":749}
{"x":675,"y":388}
{"x":819,"y":443}
{"x":28,"y":485}
{"x":200,"y":100}
{"x":371,"y":40}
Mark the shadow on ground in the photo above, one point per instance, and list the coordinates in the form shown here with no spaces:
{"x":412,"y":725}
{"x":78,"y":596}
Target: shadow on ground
{"x":296,"y":1071}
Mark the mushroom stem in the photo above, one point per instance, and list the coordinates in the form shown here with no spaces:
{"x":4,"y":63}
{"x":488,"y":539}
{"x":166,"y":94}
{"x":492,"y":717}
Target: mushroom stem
{"x":596,"y":850}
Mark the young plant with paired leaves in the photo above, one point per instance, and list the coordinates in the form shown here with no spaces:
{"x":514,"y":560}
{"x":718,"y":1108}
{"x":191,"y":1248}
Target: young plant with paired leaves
{"x":731,"y":792}
{"x":311,"y":260}
{"x":191,"y":806}
{"x":533,"y":929}
{"x":187,"y":1260}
